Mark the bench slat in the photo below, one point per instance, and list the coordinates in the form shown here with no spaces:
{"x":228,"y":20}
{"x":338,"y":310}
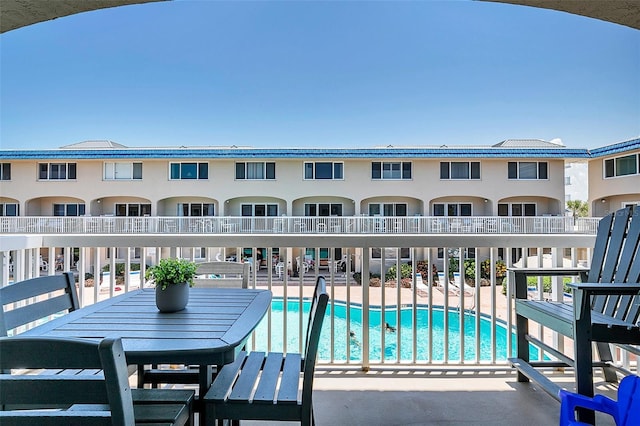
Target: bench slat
{"x":290,"y":384}
{"x":266,"y":391}
{"x":246,"y":381}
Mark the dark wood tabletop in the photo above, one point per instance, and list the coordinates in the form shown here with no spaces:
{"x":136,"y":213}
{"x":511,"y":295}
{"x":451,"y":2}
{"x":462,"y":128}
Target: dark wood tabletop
{"x":211,"y":330}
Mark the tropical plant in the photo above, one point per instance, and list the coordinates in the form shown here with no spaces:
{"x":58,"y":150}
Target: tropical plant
{"x":578,"y":208}
{"x":172,"y":271}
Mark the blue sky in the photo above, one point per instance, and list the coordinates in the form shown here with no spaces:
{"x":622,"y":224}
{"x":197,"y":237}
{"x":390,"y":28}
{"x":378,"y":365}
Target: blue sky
{"x":332,"y":74}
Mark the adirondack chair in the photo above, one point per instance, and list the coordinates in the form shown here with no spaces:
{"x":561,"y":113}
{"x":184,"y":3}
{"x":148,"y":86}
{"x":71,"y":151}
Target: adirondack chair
{"x":625,"y":411}
{"x":229,"y":275}
{"x":274,"y":376}
{"x":77,"y":399}
{"x":605,"y":309}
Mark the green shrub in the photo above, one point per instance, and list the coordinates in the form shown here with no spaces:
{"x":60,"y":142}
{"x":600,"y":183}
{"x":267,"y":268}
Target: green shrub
{"x":405,"y":272}
{"x":120,"y":268}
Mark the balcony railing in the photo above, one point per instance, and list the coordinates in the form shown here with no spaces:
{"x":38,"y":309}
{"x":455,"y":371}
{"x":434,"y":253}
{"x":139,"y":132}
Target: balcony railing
{"x":298,"y":225}
{"x":433,"y":321}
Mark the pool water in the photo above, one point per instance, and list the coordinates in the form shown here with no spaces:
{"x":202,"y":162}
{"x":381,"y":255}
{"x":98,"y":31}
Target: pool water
{"x":391,"y":346}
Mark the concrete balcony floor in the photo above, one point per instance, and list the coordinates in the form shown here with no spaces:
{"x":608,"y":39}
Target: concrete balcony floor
{"x":437,"y":396}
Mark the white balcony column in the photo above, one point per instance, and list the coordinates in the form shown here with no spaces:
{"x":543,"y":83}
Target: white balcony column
{"x":366,"y":364}
{"x":127,"y":269}
{"x":557,"y":292}
{"x":5,"y":260}
{"x":33,"y":262}
{"x":51,"y":261}
{"x":81,"y":266}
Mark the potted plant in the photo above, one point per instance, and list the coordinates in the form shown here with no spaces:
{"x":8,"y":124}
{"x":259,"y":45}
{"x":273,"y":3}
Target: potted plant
{"x":172,"y":278}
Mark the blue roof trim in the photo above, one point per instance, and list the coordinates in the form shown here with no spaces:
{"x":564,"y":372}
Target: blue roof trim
{"x":616,"y":148}
{"x":303,"y":153}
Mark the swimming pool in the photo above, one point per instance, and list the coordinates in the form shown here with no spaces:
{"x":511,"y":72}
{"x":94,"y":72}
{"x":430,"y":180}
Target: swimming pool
{"x":391,"y":344}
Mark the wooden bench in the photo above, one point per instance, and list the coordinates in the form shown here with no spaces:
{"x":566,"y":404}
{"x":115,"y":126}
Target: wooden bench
{"x":605,"y":309}
{"x":79,"y":399}
{"x":259,"y":386}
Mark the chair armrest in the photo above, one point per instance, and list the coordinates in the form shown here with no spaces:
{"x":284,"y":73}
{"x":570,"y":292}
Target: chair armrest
{"x":608,"y":288}
{"x":570,"y":401}
{"x":521,"y":274}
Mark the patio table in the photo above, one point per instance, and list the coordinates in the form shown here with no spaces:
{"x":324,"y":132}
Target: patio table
{"x":210,"y":331}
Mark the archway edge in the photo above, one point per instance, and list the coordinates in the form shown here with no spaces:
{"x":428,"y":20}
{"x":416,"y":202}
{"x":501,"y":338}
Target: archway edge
{"x":20,"y":13}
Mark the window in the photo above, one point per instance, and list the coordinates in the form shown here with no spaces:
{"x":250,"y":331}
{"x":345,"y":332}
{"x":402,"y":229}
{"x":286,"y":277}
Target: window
{"x":195,"y":209}
{"x":9,"y":209}
{"x":322,"y":209}
{"x":122,"y":171}
{"x":390,"y":170}
{"x":255,"y":170}
{"x":460,"y":170}
{"x":5,"y":171}
{"x":189,"y":171}
{"x":390,"y":253}
{"x":70,"y":209}
{"x":517,"y":209}
{"x":323,"y":170}
{"x":121,"y":252}
{"x":452,"y":209}
{"x":621,"y":166}
{"x":388,"y":209}
{"x":469,"y":253}
{"x":56,"y":171}
{"x":133,"y":209}
{"x":259,"y":210}
{"x":528,"y":170}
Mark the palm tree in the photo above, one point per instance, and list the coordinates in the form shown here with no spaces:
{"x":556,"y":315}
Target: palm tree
{"x":578,"y":208}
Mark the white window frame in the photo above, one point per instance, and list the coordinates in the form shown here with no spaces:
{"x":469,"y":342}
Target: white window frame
{"x":313,"y":165}
{"x":80,"y":208}
{"x":614,"y":162}
{"x":180,"y":171}
{"x":266,"y":206}
{"x":317,"y":208}
{"x":122,"y":170}
{"x":382,"y":207}
{"x":388,"y":170}
{"x":469,"y":164}
{"x":3,"y":209}
{"x":127,"y":206}
{"x":519,"y":166}
{"x":189,"y":207}
{"x":248,"y":165}
{"x":523,"y":205}
{"x":458,"y":207}
{"x":5,"y":170}
{"x":67,"y":167}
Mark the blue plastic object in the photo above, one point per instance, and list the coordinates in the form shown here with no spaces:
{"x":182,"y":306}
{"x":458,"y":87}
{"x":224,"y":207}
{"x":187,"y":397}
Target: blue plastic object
{"x":625,"y":412}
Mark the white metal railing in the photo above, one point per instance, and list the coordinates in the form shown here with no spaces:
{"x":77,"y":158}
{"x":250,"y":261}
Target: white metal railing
{"x":298,"y":225}
{"x":424,"y":311}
